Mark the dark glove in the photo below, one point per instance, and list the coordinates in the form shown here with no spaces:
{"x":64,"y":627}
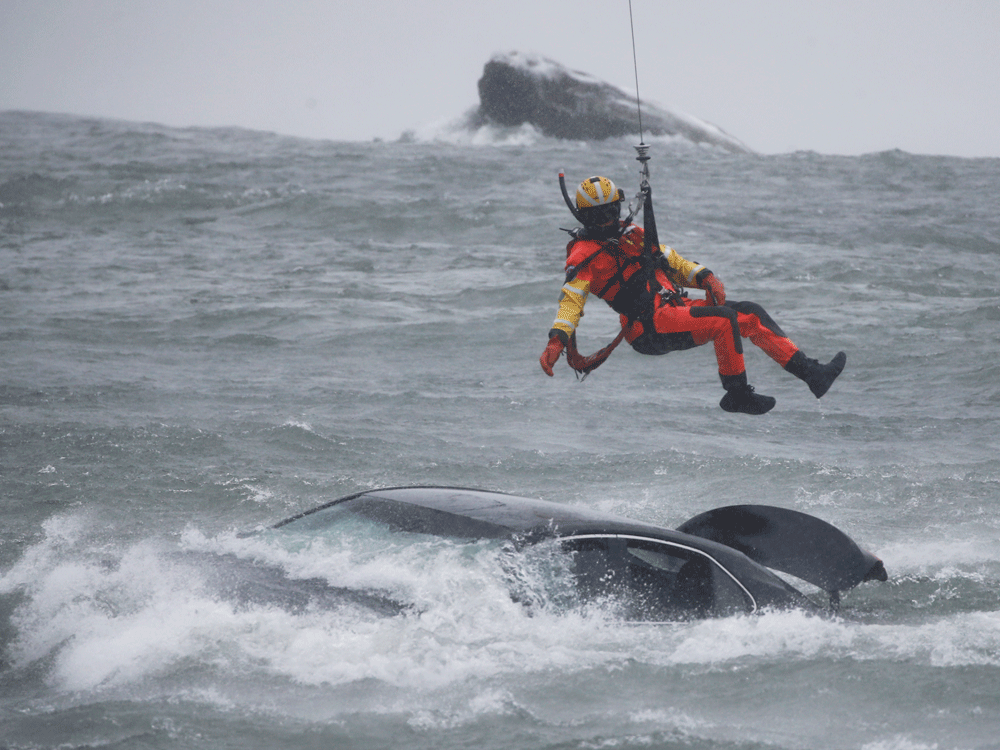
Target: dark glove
{"x":714,"y":290}
{"x":551,"y":354}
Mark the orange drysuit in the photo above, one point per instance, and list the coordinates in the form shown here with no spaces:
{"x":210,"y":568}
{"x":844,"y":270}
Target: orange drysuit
{"x":656,"y":315}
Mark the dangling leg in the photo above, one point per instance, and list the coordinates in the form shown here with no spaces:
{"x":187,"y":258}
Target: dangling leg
{"x":760,"y":328}
{"x":818,"y":377}
{"x":720,"y":325}
{"x":678,"y":328}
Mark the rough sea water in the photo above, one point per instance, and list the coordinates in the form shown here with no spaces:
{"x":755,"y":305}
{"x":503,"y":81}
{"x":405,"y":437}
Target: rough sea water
{"x":205,"y":331}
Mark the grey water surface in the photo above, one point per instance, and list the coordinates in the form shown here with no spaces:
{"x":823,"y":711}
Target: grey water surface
{"x":205,"y":331}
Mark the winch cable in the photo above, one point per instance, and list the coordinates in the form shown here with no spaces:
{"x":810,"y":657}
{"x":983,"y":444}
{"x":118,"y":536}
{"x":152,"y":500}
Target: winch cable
{"x":635,"y":67}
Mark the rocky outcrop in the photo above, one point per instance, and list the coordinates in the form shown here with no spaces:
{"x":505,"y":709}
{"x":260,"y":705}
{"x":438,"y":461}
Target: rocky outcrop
{"x":562,"y":103}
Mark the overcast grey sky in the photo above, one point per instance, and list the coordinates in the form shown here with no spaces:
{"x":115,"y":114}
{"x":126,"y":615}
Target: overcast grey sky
{"x":842,"y":77}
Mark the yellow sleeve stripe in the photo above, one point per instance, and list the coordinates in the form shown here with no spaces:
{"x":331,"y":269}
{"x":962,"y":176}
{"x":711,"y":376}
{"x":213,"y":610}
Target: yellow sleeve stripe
{"x":681,"y":271}
{"x":694,"y":272}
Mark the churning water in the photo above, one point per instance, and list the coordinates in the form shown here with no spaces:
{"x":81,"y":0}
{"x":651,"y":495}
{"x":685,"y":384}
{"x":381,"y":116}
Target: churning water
{"x":205,"y":331}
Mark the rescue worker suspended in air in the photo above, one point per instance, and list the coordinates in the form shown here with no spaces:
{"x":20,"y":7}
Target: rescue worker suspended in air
{"x":607,"y":258}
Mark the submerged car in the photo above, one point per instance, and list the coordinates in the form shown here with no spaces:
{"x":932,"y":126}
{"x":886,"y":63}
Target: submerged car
{"x":719,"y":563}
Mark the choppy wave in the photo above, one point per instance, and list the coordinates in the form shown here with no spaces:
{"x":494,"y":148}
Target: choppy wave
{"x":108,"y":617}
{"x":465,"y":131}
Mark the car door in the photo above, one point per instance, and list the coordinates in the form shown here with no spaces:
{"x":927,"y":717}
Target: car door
{"x":653,"y":579}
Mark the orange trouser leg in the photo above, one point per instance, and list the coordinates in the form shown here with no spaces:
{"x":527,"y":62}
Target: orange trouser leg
{"x":756,"y":325}
{"x":716,"y":324}
{"x":697,"y":323}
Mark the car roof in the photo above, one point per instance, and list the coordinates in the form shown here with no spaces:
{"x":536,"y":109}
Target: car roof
{"x":458,"y":511}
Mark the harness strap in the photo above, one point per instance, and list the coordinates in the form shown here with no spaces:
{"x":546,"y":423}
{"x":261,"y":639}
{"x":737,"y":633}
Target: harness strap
{"x":585,"y":365}
{"x":619,"y":276}
{"x":644,"y":278}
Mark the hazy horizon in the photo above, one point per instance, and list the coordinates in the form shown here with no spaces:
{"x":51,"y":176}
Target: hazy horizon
{"x":834,"y":77}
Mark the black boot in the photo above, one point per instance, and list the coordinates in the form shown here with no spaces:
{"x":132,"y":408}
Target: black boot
{"x":818,"y":377}
{"x":740,"y":397}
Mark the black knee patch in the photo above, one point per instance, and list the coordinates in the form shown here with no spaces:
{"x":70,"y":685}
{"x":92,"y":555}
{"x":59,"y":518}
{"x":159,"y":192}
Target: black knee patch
{"x":727,"y":311}
{"x":752,"y":308}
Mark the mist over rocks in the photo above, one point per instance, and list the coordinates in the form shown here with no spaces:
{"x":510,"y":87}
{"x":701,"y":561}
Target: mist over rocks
{"x":517,"y":88}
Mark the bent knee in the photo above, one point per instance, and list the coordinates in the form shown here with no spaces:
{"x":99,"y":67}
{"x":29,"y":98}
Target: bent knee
{"x":725,"y":312}
{"x":755,"y":310}
{"x":749,"y":308}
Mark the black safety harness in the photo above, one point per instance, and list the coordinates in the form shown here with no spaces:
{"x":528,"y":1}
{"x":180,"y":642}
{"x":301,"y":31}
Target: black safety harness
{"x":637,"y":292}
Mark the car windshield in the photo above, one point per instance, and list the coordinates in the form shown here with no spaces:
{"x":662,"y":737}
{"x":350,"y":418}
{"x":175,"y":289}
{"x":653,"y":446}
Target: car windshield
{"x":396,"y":516}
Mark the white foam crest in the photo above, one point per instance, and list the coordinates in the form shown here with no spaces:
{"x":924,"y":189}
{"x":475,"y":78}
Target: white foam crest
{"x":467,"y":626}
{"x":412,"y":570}
{"x":466,"y":623}
{"x":299,"y":424}
{"x":672,"y":718}
{"x":772,"y":635}
{"x":106,"y":623}
{"x":107,"y":626}
{"x":460,"y":133}
{"x":111,"y":624}
{"x":108,"y":651}
{"x":957,"y":640}
{"x":967,"y":639}
{"x":941,"y":558}
{"x":464,"y":131}
{"x":60,"y":532}
{"x":898,"y":742}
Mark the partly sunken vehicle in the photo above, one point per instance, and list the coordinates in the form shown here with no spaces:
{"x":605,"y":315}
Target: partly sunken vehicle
{"x":716,"y":564}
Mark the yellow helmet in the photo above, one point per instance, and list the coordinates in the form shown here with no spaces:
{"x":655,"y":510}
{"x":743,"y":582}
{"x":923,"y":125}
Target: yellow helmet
{"x":597,"y":191}
{"x":599,"y":202}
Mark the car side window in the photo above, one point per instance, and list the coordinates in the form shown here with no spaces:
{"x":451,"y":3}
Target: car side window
{"x":654,"y":580}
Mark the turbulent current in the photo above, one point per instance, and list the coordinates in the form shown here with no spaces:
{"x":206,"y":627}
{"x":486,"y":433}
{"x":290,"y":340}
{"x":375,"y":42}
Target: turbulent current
{"x":203,"y":332}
